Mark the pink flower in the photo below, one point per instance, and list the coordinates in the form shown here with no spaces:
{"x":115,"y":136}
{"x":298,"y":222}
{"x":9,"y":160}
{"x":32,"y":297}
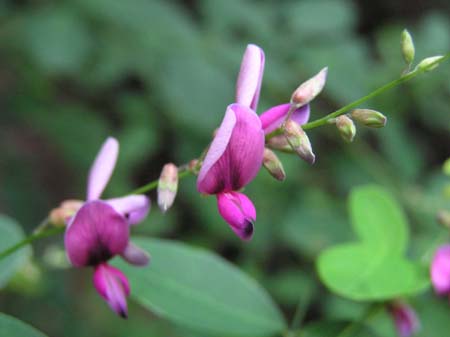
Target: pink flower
{"x":99,"y":230}
{"x":440,"y":270}
{"x":405,"y":319}
{"x":232,"y":161}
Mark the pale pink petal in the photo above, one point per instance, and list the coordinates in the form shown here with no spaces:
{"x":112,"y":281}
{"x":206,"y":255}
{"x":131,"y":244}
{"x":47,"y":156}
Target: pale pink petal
{"x":236,"y":153}
{"x":238,"y":210}
{"x":96,"y":233}
{"x":440,"y":270}
{"x":102,"y":168}
{"x":135,"y":255}
{"x":134,"y":207}
{"x":273,"y":118}
{"x":113,"y":286}
{"x":249,"y":81}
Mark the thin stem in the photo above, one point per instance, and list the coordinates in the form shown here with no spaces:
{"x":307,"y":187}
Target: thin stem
{"x":380,"y":90}
{"x":33,"y":237}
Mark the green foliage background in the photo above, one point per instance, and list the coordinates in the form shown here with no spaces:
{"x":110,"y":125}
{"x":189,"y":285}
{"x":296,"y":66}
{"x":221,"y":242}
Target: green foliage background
{"x":158,"y":75}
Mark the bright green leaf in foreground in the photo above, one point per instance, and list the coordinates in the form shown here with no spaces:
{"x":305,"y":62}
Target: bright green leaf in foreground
{"x":199,"y":290}
{"x":10,"y":233}
{"x":375,"y":268}
{"x":12,"y":327}
{"x":333,"y":328}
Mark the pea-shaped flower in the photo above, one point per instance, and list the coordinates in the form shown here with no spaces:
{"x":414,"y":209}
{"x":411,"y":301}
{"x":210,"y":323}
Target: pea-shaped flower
{"x":440,"y":270}
{"x":99,"y":230}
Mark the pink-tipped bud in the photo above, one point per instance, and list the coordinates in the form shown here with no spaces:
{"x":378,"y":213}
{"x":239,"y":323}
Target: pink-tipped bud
{"x":273,"y":165}
{"x":240,"y":213}
{"x":299,"y":141}
{"x":308,"y":90}
{"x":440,"y":270}
{"x":113,"y":286}
{"x":405,"y":319}
{"x":370,"y":118}
{"x":346,"y":128}
{"x":61,"y":215}
{"x":167,"y":186}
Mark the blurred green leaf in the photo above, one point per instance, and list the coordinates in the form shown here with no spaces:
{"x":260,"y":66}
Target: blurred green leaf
{"x":197,"y":289}
{"x":375,"y":268}
{"x":12,"y":327}
{"x":10,"y":234}
{"x":333,"y":328}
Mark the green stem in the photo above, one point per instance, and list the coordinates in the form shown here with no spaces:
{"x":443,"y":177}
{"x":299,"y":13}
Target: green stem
{"x":33,"y":237}
{"x":380,"y":90}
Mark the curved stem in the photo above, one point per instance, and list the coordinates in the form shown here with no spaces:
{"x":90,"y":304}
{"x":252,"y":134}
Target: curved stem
{"x":33,"y":237}
{"x":380,"y":90}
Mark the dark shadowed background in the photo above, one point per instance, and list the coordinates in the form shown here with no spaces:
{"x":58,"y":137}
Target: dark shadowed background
{"x":158,"y":75}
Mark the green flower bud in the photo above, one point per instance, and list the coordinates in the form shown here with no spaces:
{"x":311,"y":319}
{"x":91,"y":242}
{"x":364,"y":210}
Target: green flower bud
{"x":370,"y":118}
{"x":346,"y":128}
{"x":407,"y":46}
{"x":299,"y":141}
{"x":429,"y":63}
{"x":273,"y":165}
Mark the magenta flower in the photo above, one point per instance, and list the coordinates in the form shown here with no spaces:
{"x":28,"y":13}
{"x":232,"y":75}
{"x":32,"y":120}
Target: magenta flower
{"x":232,"y":161}
{"x":405,"y":319}
{"x":99,"y":230}
{"x":440,"y":270}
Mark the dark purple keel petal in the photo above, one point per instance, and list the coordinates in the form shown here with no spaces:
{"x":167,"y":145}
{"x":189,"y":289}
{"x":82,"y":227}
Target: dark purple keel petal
{"x":236,"y":153}
{"x":113,"y":286}
{"x":249,"y":81}
{"x":240,"y":213}
{"x":96,"y":233}
{"x":440,"y":270}
{"x":273,"y":118}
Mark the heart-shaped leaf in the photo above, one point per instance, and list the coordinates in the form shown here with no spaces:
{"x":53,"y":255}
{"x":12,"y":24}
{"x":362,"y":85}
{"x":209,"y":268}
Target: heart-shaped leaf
{"x":375,"y":268}
{"x":198,"y":289}
{"x":12,"y":327}
{"x":10,"y":233}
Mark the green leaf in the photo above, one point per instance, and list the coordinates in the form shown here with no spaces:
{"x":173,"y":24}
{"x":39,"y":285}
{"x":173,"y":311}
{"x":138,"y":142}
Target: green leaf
{"x":333,"y":328}
{"x":199,"y":290}
{"x":12,"y":327}
{"x":377,"y":218}
{"x":375,"y":268}
{"x":10,"y":233}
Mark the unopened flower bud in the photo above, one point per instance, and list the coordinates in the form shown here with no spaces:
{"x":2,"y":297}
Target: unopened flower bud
{"x":273,"y":165}
{"x":167,"y":186}
{"x":299,"y":141}
{"x":405,"y":318}
{"x":194,"y":166}
{"x":443,"y":217}
{"x":370,"y":118}
{"x":308,"y":90}
{"x":407,"y":45}
{"x":279,"y":143}
{"x":59,"y":216}
{"x":346,"y":128}
{"x":429,"y":63}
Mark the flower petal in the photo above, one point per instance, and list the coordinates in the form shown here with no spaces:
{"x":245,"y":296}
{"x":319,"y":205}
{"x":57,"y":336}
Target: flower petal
{"x":238,"y":210}
{"x":236,"y":153}
{"x":440,"y":270}
{"x":133,"y":207}
{"x":275,"y":116}
{"x":113,"y":286}
{"x":96,"y":233}
{"x":102,"y":168}
{"x":135,"y":255}
{"x":250,"y":77}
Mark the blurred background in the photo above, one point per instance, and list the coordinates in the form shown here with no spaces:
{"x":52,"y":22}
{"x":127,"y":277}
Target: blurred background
{"x":158,"y":75}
